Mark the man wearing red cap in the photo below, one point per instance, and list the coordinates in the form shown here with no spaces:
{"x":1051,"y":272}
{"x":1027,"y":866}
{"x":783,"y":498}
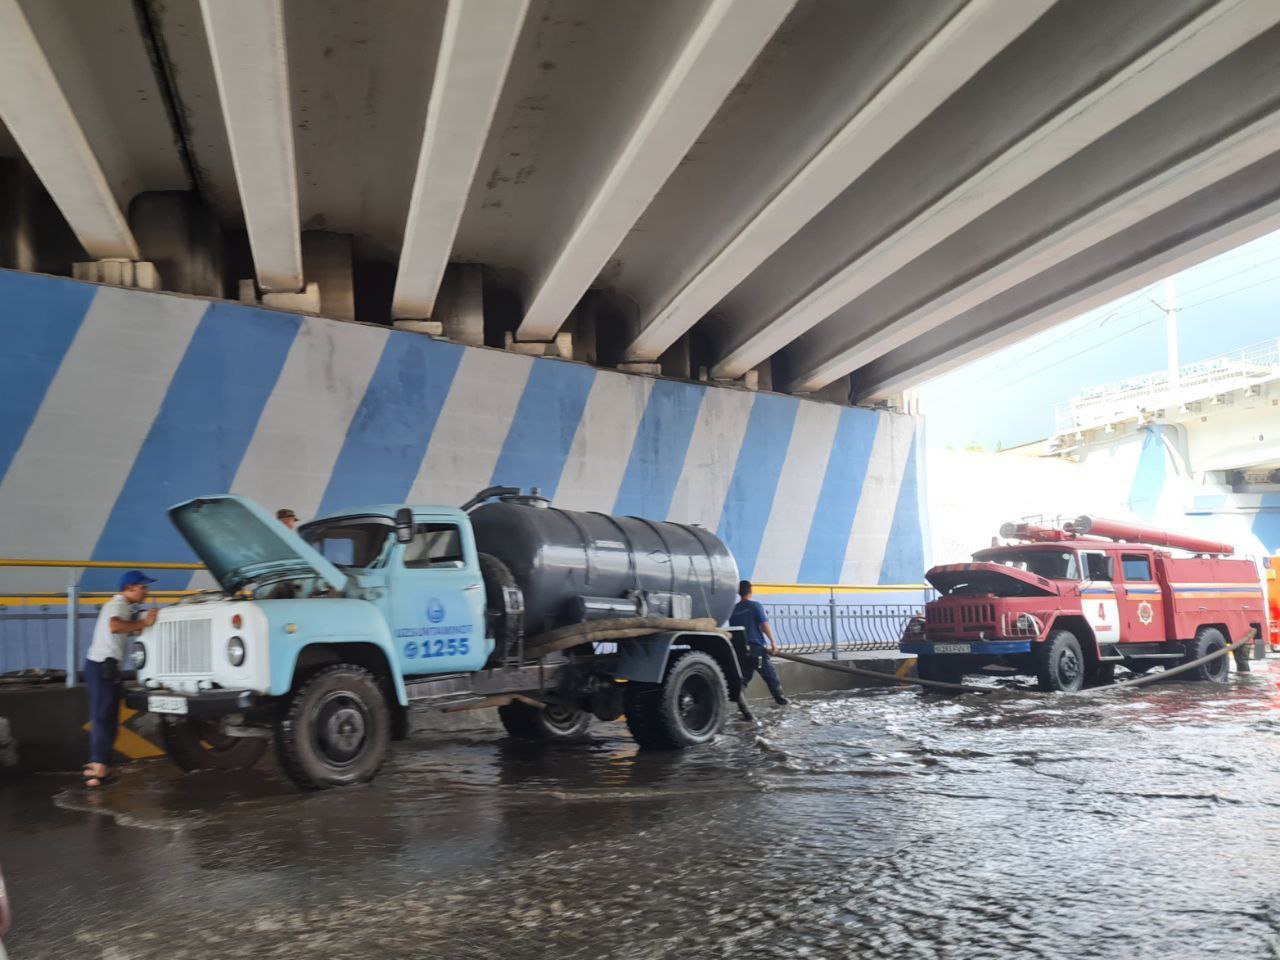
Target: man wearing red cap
{"x":118,"y":620}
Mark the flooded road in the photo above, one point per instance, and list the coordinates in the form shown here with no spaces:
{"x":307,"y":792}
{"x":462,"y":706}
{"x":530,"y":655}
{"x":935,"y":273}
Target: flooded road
{"x":883,"y":824}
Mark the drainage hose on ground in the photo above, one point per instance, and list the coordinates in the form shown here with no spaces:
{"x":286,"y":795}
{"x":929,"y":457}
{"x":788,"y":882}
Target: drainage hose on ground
{"x":972,"y":688}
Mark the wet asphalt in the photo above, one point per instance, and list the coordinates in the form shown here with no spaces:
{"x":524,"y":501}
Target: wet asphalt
{"x":852,"y":824}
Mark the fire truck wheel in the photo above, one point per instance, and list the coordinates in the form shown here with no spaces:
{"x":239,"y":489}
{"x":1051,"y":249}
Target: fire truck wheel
{"x":1208,"y":640}
{"x":200,"y":745}
{"x":556,"y":722}
{"x":1060,"y":665}
{"x":1102,"y":675}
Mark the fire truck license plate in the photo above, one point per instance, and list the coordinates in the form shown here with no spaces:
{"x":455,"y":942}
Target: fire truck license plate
{"x":167,"y":704}
{"x":951,"y":648}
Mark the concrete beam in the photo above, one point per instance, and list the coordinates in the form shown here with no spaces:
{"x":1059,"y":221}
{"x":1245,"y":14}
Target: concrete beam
{"x":1225,"y":215}
{"x":1182,"y":54}
{"x":38,"y":115}
{"x":712,"y":58}
{"x":1218,"y":160}
{"x":250,"y":62}
{"x":475,"y":53}
{"x":949,"y":59}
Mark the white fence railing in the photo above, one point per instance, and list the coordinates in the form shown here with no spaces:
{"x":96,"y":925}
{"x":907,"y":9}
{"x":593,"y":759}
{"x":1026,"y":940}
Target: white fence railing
{"x":1124,"y":399}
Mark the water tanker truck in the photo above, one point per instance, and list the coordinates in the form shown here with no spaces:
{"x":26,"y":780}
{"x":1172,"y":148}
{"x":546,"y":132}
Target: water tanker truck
{"x":320,"y":640}
{"x":1067,"y":604}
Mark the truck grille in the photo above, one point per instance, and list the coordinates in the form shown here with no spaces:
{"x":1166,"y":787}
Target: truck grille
{"x":184,"y":647}
{"x":962,"y":614}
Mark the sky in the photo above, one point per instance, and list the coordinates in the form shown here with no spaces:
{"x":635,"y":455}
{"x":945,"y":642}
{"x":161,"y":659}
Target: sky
{"x":1225,"y":303}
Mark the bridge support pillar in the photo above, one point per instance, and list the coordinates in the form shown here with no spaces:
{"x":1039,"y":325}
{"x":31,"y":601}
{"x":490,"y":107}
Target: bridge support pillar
{"x":118,"y":272}
{"x":559,"y":346}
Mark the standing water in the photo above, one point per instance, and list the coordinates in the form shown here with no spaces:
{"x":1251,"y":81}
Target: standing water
{"x":859,"y":824}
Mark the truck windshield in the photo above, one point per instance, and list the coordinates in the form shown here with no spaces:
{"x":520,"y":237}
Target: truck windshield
{"x":1050,"y":564}
{"x":350,"y":545}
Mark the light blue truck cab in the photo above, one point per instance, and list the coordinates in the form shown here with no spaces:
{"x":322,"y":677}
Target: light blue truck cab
{"x":319,"y":639}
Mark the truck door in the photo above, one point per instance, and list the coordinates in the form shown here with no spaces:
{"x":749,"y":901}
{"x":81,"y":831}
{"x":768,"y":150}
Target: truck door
{"x":1141,"y":599}
{"x":1098,"y":596}
{"x":437,"y":601}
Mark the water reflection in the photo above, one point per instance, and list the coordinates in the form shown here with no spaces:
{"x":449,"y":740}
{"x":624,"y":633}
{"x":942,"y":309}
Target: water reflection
{"x":878,"y":824}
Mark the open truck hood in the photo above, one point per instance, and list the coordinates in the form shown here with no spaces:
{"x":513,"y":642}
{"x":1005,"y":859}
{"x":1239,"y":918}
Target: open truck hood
{"x":990,"y":578}
{"x":240,"y":542}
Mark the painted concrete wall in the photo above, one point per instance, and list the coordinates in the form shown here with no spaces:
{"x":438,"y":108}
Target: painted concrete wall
{"x":119,"y":403}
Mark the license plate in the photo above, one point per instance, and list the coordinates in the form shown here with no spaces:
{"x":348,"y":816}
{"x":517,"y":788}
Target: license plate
{"x":167,"y":704}
{"x":951,"y":648}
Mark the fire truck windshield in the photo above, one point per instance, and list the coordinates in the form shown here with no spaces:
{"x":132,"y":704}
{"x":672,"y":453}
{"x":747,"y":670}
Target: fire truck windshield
{"x":1051,"y":564}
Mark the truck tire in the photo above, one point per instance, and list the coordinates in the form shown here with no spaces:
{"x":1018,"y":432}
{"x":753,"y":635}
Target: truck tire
{"x":687,"y":708}
{"x":334,"y":729}
{"x":200,"y":745}
{"x":938,"y":669}
{"x":1207,"y":641}
{"x":503,"y":625}
{"x":526,"y":722}
{"x":1060,"y":664}
{"x":1101,"y":675}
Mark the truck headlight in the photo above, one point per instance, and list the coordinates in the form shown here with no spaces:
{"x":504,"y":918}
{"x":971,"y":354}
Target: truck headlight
{"x":915,"y":627}
{"x":138,"y":654}
{"x":235,"y":651}
{"x":1027,"y":625}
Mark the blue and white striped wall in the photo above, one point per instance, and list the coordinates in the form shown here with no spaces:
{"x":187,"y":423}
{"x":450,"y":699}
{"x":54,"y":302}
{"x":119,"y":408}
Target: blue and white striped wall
{"x":118,"y":403}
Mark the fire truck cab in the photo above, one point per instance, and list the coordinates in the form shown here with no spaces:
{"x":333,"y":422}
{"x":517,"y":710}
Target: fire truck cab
{"x":1066,"y":605}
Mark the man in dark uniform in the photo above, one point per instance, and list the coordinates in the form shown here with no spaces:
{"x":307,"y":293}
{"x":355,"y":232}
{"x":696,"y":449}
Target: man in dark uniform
{"x":750,"y":615}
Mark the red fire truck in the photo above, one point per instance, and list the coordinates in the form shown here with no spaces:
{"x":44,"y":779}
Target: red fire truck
{"x":1066,"y":605}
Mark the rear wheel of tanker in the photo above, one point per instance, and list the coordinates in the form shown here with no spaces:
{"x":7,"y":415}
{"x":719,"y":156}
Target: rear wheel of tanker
{"x":555,"y":722}
{"x":1208,"y":640}
{"x":939,"y":670}
{"x":200,"y":745}
{"x":686,"y":709}
{"x":334,"y":729}
{"x":504,"y":625}
{"x":1060,"y":665}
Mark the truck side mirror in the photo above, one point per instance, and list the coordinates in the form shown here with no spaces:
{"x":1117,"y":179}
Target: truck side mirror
{"x":404,"y":525}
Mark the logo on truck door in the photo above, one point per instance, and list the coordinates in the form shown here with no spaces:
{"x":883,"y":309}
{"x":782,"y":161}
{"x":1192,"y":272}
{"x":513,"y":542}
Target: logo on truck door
{"x":439,"y":639}
{"x":1145,"y":613}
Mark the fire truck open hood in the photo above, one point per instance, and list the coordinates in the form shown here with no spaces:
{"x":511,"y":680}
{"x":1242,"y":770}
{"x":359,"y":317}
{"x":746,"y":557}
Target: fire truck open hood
{"x":240,"y":542}
{"x":982,"y":579}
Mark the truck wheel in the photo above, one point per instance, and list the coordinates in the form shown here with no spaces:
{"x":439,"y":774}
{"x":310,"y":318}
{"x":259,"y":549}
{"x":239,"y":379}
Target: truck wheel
{"x":1208,"y":640}
{"x":1060,"y":663}
{"x":504,"y":625}
{"x":556,"y":722}
{"x":200,"y":745}
{"x":687,"y":708}
{"x":334,"y":729}
{"x":939,"y":670}
{"x":1101,"y":675}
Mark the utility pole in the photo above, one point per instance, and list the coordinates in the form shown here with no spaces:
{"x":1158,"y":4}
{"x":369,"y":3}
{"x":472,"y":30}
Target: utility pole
{"x":1171,"y":337}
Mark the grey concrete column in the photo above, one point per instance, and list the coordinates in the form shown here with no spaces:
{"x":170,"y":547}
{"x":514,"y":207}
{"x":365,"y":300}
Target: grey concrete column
{"x":327,"y":262}
{"x":182,"y":237}
{"x":460,"y":307}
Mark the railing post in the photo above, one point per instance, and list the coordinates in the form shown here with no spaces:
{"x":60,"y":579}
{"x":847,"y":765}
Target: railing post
{"x":835,"y":637}
{"x":73,"y":626}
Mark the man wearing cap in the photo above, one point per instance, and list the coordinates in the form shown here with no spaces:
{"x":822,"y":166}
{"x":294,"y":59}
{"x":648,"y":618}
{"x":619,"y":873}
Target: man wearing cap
{"x":118,"y":621}
{"x":287,"y":517}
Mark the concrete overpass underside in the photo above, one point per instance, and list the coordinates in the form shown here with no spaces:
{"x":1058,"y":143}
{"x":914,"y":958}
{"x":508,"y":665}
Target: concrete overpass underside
{"x":839,"y":197}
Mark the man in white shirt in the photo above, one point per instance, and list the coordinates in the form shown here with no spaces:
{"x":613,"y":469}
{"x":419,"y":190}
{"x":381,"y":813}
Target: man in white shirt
{"x":118,"y":622}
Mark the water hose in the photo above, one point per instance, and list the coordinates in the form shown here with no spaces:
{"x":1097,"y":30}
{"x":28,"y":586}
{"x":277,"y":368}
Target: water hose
{"x":972,"y":688}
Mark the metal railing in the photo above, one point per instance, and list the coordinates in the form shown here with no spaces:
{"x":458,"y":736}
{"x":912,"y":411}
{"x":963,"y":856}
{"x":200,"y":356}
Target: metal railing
{"x":837,"y":628}
{"x":39,"y":620}
{"x":1120,"y":400}
{"x":51,"y":631}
